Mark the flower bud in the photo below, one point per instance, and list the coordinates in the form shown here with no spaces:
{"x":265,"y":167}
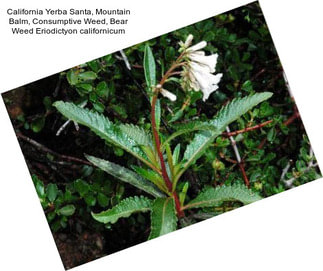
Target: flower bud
{"x":218,"y":165}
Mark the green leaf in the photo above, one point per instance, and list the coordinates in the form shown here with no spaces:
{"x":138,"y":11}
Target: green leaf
{"x":176,"y":154}
{"x":81,"y":187}
{"x":93,"y":97}
{"x":266,"y":110}
{"x":208,"y":36}
{"x":152,"y":176}
{"x":99,"y":107}
{"x":170,"y":54}
{"x":47,"y":101}
{"x":211,"y":197}
{"x":84,"y":87}
{"x":90,"y":199}
{"x":237,"y":107}
{"x":151,"y":155}
{"x":247,"y":86}
{"x":94,"y":65}
{"x":39,"y":185}
{"x":225,"y":116}
{"x":182,"y":195}
{"x":103,"y":200}
{"x":109,"y":59}
{"x":137,"y":134}
{"x":67,"y":210}
{"x":104,"y":128}
{"x":87,"y":76}
{"x":124,"y":209}
{"x":157,"y":114}
{"x":271,"y":134}
{"x":125,"y":175}
{"x":163,"y":217}
{"x":72,"y":77}
{"x":188,"y":128}
{"x":102,"y":89}
{"x":51,"y":191}
{"x":176,"y":116}
{"x":38,"y":124}
{"x":233,"y":73}
{"x":149,"y":67}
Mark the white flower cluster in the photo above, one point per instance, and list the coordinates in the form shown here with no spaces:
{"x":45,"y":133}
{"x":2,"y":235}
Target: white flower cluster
{"x":199,"y":73}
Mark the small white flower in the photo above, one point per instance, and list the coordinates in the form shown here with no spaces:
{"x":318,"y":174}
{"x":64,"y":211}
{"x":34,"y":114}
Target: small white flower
{"x":188,"y":41}
{"x":166,"y":93}
{"x":205,"y":81}
{"x":197,"y":47}
{"x":198,"y":75}
{"x":208,"y":61}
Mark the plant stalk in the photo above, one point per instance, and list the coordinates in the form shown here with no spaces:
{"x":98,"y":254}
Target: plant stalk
{"x":167,"y":181}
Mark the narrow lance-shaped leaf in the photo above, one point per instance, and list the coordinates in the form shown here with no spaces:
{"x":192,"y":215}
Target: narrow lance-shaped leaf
{"x":226,"y":115}
{"x":176,"y":154}
{"x":126,"y":175}
{"x":211,"y":197}
{"x":123,"y":136}
{"x":152,"y":176}
{"x":124,"y":209}
{"x":157,"y":114}
{"x":163,"y":217}
{"x":149,"y":67}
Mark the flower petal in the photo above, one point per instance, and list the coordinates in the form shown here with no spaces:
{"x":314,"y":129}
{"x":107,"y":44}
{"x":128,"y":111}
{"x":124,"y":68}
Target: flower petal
{"x":197,"y":47}
{"x":198,"y":53}
{"x":168,"y":94}
{"x":207,"y":82}
{"x":198,"y":67}
{"x":208,"y":61}
{"x":188,"y":41}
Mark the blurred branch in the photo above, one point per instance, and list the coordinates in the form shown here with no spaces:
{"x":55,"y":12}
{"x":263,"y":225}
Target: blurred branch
{"x":289,"y":183}
{"x":125,"y":59}
{"x":58,"y":85}
{"x":247,"y":129}
{"x":238,"y":157}
{"x":287,"y":122}
{"x":45,"y":149}
{"x":285,"y":170}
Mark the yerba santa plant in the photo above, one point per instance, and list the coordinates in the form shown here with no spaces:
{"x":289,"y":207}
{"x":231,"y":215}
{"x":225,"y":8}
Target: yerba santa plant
{"x":162,"y":165}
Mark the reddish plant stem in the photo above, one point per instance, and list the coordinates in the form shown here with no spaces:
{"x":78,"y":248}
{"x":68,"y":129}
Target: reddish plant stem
{"x":258,"y":126}
{"x":287,"y":122}
{"x":157,"y":143}
{"x":137,"y":66}
{"x":168,"y":183}
{"x":262,"y":144}
{"x":174,"y":66}
{"x":227,"y":158}
{"x":180,"y":212}
{"x":292,"y":118}
{"x":244,"y":175}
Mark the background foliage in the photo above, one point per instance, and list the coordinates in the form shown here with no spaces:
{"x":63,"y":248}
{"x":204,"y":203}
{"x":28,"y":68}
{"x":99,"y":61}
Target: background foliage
{"x":276,"y":156}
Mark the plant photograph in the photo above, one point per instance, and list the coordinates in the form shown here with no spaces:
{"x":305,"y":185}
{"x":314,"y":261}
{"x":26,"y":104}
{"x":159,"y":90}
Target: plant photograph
{"x":161,"y":135}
